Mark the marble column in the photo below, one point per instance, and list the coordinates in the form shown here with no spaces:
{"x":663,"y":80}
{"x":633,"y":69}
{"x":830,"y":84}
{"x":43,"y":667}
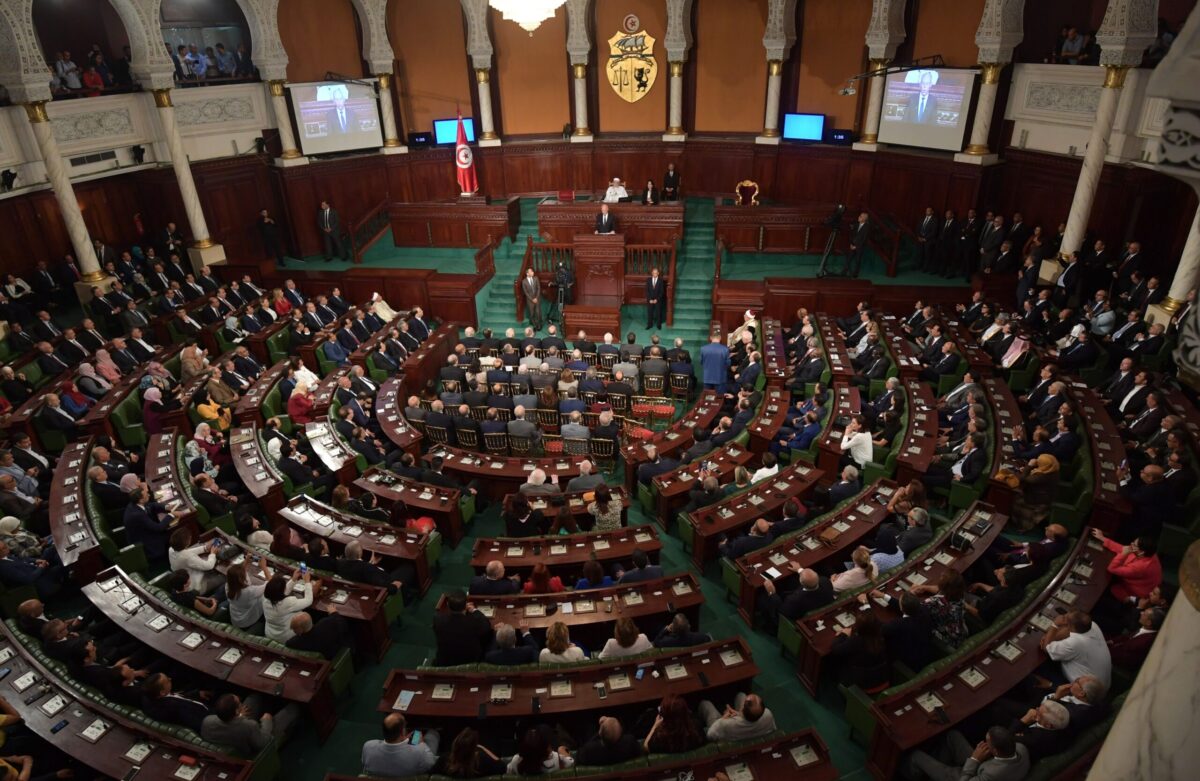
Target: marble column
{"x":1156,"y":734}
{"x":487,"y":134}
{"x":1187,"y":275}
{"x":870,"y":136}
{"x":283,"y":121}
{"x":391,"y":137}
{"x":203,"y":251}
{"x":770,"y":134}
{"x":1093,"y":160}
{"x":985,"y":107}
{"x":675,"y":131}
{"x":579,"y":83}
{"x":64,"y":193}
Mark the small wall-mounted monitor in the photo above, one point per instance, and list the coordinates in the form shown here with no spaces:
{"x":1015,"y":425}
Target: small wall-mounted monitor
{"x":445,"y":131}
{"x":804,"y":127}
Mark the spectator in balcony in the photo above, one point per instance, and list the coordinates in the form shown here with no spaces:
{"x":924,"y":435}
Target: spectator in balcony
{"x":245,"y":68}
{"x":122,"y":75}
{"x":211,"y":69}
{"x":183,"y":67}
{"x":196,"y":61}
{"x":68,"y":71}
{"x":226,"y":62}
{"x":101,"y":66}
{"x":1072,"y":48}
{"x":93,"y":82}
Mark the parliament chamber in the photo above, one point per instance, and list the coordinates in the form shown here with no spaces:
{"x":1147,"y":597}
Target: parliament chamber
{"x":706,"y":390}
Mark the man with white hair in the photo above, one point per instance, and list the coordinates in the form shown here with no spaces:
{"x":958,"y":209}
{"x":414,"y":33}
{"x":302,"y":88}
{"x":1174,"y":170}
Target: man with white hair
{"x":749,"y":323}
{"x":587,"y":479}
{"x":507,"y":651}
{"x":520,"y":427}
{"x":1041,"y":729}
{"x":608,"y":347}
{"x":494,"y":582}
{"x":537,"y":485}
{"x":574,"y":428}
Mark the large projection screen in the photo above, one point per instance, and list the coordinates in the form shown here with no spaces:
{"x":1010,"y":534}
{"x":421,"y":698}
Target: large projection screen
{"x":335,"y":117}
{"x":927,"y":108}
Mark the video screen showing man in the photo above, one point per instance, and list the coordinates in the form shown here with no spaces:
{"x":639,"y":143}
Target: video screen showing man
{"x":926,"y":107}
{"x":336,"y":117}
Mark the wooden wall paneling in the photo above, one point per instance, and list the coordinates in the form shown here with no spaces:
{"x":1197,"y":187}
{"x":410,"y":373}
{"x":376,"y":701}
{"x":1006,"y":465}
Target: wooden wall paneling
{"x":859,"y":182}
{"x":300,"y":203}
{"x":734,"y":298}
{"x":489,"y":170}
{"x":635,"y":163}
{"x":535,"y":169}
{"x":158,"y":195}
{"x":432,"y":175}
{"x":764,"y":168}
{"x":715,"y":167}
{"x":582,"y":177}
{"x":232,"y":193}
{"x":805,"y":173}
{"x":452,"y":297}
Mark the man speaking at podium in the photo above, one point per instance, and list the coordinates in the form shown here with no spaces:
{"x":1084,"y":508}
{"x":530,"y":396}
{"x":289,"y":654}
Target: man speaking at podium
{"x":605,"y":222}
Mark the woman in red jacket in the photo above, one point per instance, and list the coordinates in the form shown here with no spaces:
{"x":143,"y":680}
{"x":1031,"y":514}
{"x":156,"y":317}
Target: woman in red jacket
{"x":300,"y":405}
{"x":1135,"y":570}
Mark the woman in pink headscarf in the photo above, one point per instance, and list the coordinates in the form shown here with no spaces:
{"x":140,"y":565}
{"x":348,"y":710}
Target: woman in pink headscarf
{"x":105,"y":366}
{"x":152,"y":411}
{"x":92,"y":383}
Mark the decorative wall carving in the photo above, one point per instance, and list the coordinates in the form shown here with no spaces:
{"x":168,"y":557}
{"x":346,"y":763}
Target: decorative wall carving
{"x":377,"y":51}
{"x":92,"y":125}
{"x":1076,"y":99}
{"x":479,"y":44}
{"x":1129,"y":26}
{"x":1181,"y":142}
{"x":1001,"y":28}
{"x":678,"y":40}
{"x":213,"y":111}
{"x":579,"y":43}
{"x":22,"y":67}
{"x":886,"y":29}
{"x":142,"y":20}
{"x":780,"y":33}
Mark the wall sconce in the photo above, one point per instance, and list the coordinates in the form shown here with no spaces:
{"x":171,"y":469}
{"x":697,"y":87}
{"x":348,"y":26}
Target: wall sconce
{"x":139,"y":154}
{"x":7,"y":178}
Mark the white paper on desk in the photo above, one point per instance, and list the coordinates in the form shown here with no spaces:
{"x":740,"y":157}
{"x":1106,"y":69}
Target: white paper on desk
{"x":275,"y":670}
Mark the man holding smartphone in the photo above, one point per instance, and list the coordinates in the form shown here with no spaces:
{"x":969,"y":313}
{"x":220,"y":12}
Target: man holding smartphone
{"x":398,"y":754}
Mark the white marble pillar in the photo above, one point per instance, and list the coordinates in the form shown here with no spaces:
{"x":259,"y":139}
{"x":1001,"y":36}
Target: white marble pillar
{"x":203,"y":251}
{"x":675,"y":131}
{"x":1187,"y":275}
{"x":770,"y":134}
{"x":283,"y":122}
{"x":1156,"y":734}
{"x":583,"y":133}
{"x":985,"y":107}
{"x":870,"y":136}
{"x":487,"y":134}
{"x":392,"y":144}
{"x":1093,"y":160}
{"x":64,"y":193}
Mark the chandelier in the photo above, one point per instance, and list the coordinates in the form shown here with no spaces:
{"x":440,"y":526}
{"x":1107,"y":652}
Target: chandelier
{"x":528,"y":14}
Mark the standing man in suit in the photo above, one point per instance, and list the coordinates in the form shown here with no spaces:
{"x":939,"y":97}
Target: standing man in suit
{"x":714,"y":363}
{"x":671,"y":183}
{"x":947,"y":243}
{"x":329,"y":224}
{"x":968,"y":246}
{"x":656,"y":300}
{"x":171,"y":240}
{"x":858,"y":244}
{"x":531,"y":288}
{"x":927,"y":232}
{"x":922,"y":107}
{"x":990,"y":241}
{"x":605,"y":222}
{"x":272,"y":242}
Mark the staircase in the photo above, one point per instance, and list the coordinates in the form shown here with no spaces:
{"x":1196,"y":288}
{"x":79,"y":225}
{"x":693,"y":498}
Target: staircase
{"x":694,"y":268}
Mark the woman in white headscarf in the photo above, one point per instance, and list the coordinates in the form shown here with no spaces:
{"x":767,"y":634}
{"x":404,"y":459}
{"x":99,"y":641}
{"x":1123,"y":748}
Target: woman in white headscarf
{"x":25,"y":544}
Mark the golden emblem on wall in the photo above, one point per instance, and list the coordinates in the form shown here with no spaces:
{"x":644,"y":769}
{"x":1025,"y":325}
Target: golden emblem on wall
{"x":631,"y":66}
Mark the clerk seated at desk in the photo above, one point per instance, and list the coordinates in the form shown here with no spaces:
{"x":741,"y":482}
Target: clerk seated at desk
{"x":616,"y":191}
{"x":605,"y":222}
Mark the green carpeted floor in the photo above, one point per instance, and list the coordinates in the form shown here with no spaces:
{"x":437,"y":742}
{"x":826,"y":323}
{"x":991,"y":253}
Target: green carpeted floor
{"x":308,"y":760}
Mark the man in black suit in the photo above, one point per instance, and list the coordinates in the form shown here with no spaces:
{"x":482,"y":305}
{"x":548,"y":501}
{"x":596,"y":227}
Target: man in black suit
{"x":463,"y":633}
{"x":1066,"y":287}
{"x":329,"y":224}
{"x":605,"y":222}
{"x":656,"y":300}
{"x":968,"y":246}
{"x":759,"y":536}
{"x":947,"y":363}
{"x":990,"y":239}
{"x":268,"y":230}
{"x":50,"y":363}
{"x":927,"y":233}
{"x":148,"y":523}
{"x":161,"y":704}
{"x":922,"y":105}
{"x":326,"y":637}
{"x":170,"y":240}
{"x":671,"y":183}
{"x":947,"y":243}
{"x":814,"y":591}
{"x":907,"y":637}
{"x":859,"y":233}
{"x":351,"y":566}
{"x":965,"y":470}
{"x":293,"y":465}
{"x":494,"y":582}
{"x":19,"y":341}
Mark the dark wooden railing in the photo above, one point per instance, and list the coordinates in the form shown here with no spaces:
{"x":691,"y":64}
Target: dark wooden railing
{"x":366,"y":230}
{"x":485,"y":259}
{"x":720,"y":252}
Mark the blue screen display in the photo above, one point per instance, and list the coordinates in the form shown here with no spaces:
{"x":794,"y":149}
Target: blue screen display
{"x":445,"y":131}
{"x":804,"y":127}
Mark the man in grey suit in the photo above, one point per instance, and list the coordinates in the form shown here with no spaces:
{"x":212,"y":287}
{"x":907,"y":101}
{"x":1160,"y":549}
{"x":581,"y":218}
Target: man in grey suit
{"x":989,"y":242}
{"x":575,"y":429}
{"x":232,"y":723}
{"x":628,"y":370}
{"x":330,"y":225}
{"x":998,"y":757}
{"x":520,"y":427}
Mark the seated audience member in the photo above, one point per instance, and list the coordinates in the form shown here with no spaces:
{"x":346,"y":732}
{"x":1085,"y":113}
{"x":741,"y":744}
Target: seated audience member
{"x":1135,"y":572}
{"x":860,"y":571}
{"x":147,"y":523}
{"x":587,"y":480}
{"x":535,"y":756}
{"x":886,"y":554}
{"x":592,"y":576}
{"x":679,"y":634}
{"x":746,"y":719}
{"x":462,"y":632}
{"x":642,"y":569}
{"x":675,"y":730}
{"x":512,"y":646}
{"x":397,"y":755}
{"x":998,"y":757}
{"x":470,"y":759}
{"x":521,"y":520}
{"x":610,"y":745}
{"x":812,"y":592}
{"x":860,"y":654}
{"x":326,"y":637}
{"x":282,"y":601}
{"x":160,"y":703}
{"x":1042,"y":729}
{"x":626,"y":641}
{"x":559,"y":648}
{"x":1129,"y":650}
{"x":1076,"y":646}
{"x":493,"y":581}
{"x":542,"y":582}
{"x":242,"y":727}
{"x":759,"y":536}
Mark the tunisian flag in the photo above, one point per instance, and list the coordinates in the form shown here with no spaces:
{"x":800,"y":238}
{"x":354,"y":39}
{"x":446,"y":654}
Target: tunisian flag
{"x":464,"y":161}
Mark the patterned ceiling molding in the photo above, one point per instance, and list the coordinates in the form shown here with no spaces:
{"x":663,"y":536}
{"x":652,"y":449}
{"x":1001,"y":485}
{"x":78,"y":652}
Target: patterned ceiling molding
{"x":377,"y":50}
{"x":142,"y":20}
{"x":22,"y":67}
{"x":215,"y":111}
{"x":678,"y":40}
{"x":579,"y":43}
{"x":780,"y":35}
{"x":1075,"y":99}
{"x":107,"y":126}
{"x":479,"y":44}
{"x":1129,"y":26}
{"x":886,"y":30}
{"x":267,"y":50}
{"x":1001,"y":28}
